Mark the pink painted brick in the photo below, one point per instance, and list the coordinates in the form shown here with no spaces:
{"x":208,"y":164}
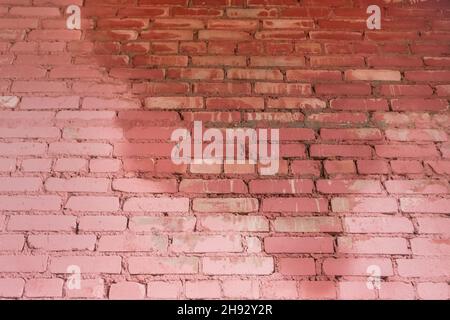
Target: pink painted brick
{"x":163,"y":265}
{"x":70,"y":165}
{"x":44,"y":288}
{"x":241,"y":289}
{"x":93,"y":203}
{"x":105,"y":165}
{"x":7,"y":165}
{"x":355,"y":290}
{"x":296,"y":266}
{"x":433,"y":291}
{"x":102,"y":223}
{"x":396,"y":291}
{"x":37,"y":165}
{"x":62,"y":242}
{"x":131,"y":242}
{"x":11,"y":242}
{"x":11,"y":287}
{"x":26,"y":203}
{"x":127,"y":291}
{"x":164,"y":289}
{"x":41,"y":223}
{"x":156,"y":205}
{"x":237,"y":265}
{"x":317,"y":290}
{"x":89,"y":289}
{"x":23,"y":263}
{"x":204,"y":289}
{"x":280,"y":289}
{"x":206,"y":243}
{"x":162,"y":224}
{"x":87,"y":264}
{"x":356,"y":266}
{"x":78,"y":184}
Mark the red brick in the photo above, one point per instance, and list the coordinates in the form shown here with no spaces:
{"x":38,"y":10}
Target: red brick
{"x":416,"y":135}
{"x":351,"y":134}
{"x":418,"y":104}
{"x":348,"y":186}
{"x":306,"y":167}
{"x":323,"y":151}
{"x":406,"y":151}
{"x":234,"y":103}
{"x":406,"y":166}
{"x":343,"y":89}
{"x":296,"y":103}
{"x":406,"y":90}
{"x":339,"y":167}
{"x":359,"y":104}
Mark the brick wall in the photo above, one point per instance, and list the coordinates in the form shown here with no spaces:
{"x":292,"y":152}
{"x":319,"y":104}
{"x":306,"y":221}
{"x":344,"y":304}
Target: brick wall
{"x":86,"y":177}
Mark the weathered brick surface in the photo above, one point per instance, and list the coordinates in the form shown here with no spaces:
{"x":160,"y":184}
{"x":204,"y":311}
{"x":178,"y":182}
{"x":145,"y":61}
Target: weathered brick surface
{"x":86,"y":178}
